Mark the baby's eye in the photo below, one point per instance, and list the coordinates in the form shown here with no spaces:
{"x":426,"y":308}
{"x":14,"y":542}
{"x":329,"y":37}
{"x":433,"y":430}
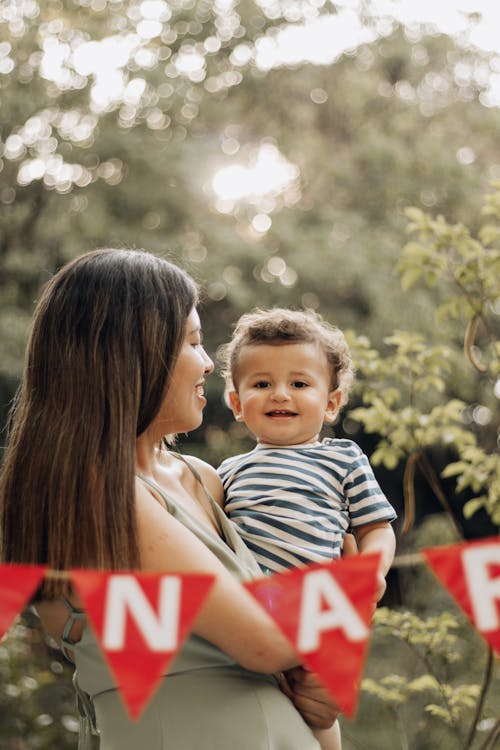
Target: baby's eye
{"x":261,"y":384}
{"x":299,"y":384}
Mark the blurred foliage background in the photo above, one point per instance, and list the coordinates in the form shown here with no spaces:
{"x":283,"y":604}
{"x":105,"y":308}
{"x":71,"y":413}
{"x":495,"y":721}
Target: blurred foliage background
{"x":301,"y":153}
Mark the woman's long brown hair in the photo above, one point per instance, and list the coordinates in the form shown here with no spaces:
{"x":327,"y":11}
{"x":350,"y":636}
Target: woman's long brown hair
{"x":106,"y":333}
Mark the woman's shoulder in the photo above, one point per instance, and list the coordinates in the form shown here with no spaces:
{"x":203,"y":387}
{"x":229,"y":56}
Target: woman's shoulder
{"x":207,"y":475}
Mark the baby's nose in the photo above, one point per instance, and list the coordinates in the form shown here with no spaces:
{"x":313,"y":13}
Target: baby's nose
{"x":280,"y":393}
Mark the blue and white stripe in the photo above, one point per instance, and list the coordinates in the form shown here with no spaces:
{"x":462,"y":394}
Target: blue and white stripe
{"x":293,"y":505}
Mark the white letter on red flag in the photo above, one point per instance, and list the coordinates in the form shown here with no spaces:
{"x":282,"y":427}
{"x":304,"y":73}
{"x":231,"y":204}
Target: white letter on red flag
{"x":470,"y":571}
{"x":484,"y":590}
{"x":325,"y":611}
{"x":141,"y":621}
{"x":319,"y":588}
{"x":125,"y":595}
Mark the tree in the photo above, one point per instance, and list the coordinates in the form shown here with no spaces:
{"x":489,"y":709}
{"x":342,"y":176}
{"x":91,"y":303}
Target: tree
{"x":395,"y":122}
{"x":398,"y":121}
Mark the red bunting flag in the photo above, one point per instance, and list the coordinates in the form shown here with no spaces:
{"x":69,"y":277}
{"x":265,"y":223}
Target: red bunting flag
{"x":470,"y":571}
{"x":17,"y":585}
{"x":141,"y":621}
{"x":325,"y":611}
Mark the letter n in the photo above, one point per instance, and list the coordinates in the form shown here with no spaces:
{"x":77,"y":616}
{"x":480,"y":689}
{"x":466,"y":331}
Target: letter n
{"x":126,"y":597}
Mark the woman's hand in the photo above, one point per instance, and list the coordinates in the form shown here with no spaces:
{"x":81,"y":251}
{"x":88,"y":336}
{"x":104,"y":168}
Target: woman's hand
{"x":309,"y":697}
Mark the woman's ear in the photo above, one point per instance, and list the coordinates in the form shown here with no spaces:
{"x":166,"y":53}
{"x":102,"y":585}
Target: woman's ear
{"x":333,"y":405}
{"x":235,"y":404}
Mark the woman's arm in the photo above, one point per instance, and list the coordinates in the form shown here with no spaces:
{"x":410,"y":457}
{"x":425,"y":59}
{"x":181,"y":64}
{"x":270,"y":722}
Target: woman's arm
{"x":260,"y":644}
{"x":230,"y":617}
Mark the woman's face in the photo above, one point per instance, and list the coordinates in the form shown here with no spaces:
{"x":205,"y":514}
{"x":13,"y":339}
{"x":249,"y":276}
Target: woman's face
{"x":182,"y":408}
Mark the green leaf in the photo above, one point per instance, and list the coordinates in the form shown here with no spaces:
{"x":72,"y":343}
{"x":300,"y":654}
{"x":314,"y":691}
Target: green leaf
{"x":472,"y":506}
{"x":425,"y":682}
{"x":410,"y":277}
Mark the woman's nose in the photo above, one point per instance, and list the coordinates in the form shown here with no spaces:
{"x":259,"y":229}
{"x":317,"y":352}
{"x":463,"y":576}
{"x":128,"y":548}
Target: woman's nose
{"x":209,"y":365}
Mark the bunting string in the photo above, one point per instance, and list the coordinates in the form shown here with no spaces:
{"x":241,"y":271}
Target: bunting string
{"x":323,"y":609}
{"x":408,"y":560}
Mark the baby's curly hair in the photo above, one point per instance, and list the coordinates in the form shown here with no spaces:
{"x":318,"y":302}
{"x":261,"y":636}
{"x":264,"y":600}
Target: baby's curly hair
{"x":279,"y":326}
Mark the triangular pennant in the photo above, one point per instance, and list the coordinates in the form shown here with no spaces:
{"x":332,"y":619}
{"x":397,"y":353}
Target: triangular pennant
{"x":325,"y":611}
{"x":17,"y":584}
{"x":470,"y":571}
{"x":140,"y":619}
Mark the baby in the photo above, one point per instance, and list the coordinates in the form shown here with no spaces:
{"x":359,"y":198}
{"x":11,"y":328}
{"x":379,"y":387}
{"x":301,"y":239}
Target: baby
{"x":294,"y":496}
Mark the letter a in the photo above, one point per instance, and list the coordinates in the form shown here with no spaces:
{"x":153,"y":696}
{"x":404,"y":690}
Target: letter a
{"x":125,"y":596}
{"x":319,"y":587}
{"x":484,"y":591}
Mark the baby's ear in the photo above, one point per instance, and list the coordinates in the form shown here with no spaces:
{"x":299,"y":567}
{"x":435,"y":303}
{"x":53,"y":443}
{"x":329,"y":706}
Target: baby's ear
{"x":235,"y":404}
{"x":333,"y":405}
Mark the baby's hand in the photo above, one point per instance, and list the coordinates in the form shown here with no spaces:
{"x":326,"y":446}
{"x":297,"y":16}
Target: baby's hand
{"x":349,"y":546}
{"x":381,"y":586}
{"x":310,"y":698}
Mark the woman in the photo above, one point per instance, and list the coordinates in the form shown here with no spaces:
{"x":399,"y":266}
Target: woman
{"x":115,"y":363}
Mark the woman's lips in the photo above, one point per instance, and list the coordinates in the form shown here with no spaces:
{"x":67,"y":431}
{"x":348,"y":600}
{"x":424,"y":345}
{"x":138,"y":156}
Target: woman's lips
{"x":200,"y":389}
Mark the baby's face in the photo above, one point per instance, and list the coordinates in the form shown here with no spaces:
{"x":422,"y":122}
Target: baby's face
{"x":284,"y":393}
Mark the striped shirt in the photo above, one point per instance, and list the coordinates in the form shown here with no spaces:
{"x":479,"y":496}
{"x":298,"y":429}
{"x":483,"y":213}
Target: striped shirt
{"x":293,"y":504}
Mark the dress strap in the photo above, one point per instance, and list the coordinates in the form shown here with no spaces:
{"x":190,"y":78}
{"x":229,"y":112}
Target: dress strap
{"x":84,"y":705}
{"x":199,"y":478}
{"x":74,"y":615}
{"x":86,"y":716}
{"x":218,"y":512}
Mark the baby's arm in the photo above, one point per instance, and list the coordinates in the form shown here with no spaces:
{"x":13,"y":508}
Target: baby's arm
{"x":329,"y":739}
{"x":378,"y":537}
{"x":349,"y":546}
{"x":306,"y":692}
